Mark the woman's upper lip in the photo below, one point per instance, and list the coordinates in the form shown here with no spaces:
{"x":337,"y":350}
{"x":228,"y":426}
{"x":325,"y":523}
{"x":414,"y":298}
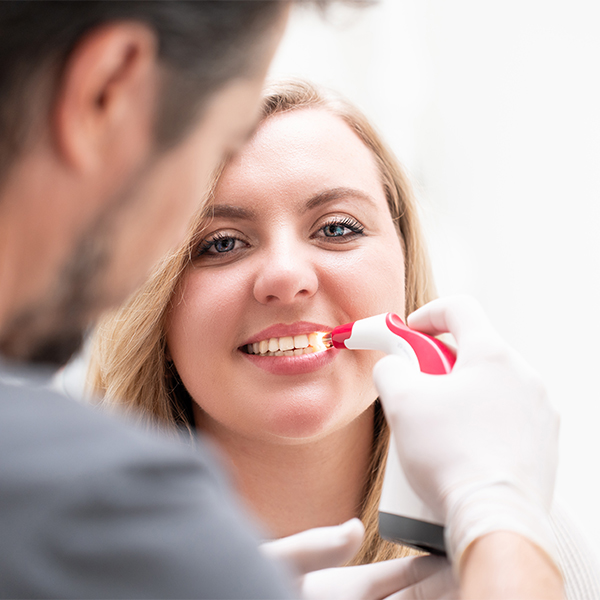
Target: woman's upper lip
{"x":283,"y":330}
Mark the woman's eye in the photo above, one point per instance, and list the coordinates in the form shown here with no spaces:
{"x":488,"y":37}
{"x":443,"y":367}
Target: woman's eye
{"x":224,"y":245}
{"x":334,"y":230}
{"x":220,"y":245}
{"x":344,"y":229}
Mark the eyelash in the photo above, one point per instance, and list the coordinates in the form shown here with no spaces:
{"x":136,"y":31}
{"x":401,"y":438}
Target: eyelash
{"x":354,"y":226}
{"x":209,"y":243}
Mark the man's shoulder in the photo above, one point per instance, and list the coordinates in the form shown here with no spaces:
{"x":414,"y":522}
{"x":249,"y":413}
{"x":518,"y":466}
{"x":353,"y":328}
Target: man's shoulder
{"x":48,"y":439}
{"x":90,"y":506}
{"x":33,"y":417}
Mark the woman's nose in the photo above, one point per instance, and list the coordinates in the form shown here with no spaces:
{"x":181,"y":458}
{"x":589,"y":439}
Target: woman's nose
{"x":285,"y":276}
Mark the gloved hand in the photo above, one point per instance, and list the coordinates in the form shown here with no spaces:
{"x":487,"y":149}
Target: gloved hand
{"x":312,"y":555}
{"x":479,"y":446}
{"x":318,"y":548}
{"x":411,"y":578}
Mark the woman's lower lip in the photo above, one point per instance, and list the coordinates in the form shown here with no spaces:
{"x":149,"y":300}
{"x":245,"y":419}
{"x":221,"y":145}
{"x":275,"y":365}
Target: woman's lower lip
{"x":293,"y":365}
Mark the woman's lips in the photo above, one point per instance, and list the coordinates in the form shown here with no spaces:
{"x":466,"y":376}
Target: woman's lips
{"x":280,"y":330}
{"x":293,"y":365}
{"x":289,"y":349}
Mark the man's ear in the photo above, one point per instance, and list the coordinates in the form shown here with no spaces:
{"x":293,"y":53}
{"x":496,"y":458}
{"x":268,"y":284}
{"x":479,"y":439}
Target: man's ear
{"x":107,"y":96}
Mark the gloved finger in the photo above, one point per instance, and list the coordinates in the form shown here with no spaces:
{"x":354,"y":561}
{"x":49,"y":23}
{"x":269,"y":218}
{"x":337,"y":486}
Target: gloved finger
{"x":319,"y":548}
{"x":370,"y":582}
{"x":440,"y":585}
{"x":462,"y":316}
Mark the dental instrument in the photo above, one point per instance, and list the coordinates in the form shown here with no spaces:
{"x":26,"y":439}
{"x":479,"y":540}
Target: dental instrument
{"x":403,"y":517}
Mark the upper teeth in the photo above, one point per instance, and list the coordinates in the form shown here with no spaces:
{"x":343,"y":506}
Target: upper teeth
{"x":287,"y":345}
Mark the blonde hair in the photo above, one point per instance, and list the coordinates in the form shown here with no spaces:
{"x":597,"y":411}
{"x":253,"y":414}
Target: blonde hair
{"x":129,"y":366}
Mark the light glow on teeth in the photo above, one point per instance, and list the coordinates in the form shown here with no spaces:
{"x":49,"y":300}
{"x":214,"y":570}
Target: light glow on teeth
{"x":289,"y":345}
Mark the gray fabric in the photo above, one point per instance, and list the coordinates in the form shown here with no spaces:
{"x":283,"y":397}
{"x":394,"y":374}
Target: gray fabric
{"x":92,"y":508}
{"x":579,"y":565}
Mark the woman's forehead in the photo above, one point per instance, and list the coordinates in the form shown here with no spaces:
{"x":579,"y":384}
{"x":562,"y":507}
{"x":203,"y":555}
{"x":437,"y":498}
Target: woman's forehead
{"x":305,"y":131}
{"x":306,"y":150}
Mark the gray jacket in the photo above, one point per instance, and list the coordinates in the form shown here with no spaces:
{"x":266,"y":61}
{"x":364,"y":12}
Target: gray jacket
{"x":90,"y":507}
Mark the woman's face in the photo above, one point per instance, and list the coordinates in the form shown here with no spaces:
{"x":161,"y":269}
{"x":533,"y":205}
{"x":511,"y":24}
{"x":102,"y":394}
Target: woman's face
{"x":302,"y":240}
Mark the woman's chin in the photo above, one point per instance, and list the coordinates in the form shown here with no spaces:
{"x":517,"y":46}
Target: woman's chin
{"x":297,"y":424}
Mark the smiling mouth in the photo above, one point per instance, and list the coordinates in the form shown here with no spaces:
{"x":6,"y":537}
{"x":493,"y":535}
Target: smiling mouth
{"x":295,"y":345}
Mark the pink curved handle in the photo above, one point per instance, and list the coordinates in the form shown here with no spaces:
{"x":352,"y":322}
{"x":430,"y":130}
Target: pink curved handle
{"x":434,"y":357}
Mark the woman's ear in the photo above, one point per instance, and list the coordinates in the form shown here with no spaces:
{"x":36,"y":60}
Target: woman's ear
{"x":105,"y":105}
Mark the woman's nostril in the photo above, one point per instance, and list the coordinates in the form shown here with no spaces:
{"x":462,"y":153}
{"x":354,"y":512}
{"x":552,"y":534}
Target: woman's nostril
{"x":285,"y":285}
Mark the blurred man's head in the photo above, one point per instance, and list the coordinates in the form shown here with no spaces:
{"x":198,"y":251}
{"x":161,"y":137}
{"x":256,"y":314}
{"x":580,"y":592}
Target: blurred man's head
{"x":112,"y":116}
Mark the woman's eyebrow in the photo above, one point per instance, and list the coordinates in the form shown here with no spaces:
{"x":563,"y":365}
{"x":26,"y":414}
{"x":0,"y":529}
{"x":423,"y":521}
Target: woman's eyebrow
{"x":336,"y":194}
{"x":228,"y":211}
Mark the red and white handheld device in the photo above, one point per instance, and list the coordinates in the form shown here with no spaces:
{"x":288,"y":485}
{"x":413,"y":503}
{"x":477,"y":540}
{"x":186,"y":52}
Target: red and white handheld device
{"x":403,"y":517}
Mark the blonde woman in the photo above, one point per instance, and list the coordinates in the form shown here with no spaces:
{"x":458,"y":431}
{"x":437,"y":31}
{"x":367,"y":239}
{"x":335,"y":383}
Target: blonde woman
{"x":312,"y":225}
{"x":364,"y":255}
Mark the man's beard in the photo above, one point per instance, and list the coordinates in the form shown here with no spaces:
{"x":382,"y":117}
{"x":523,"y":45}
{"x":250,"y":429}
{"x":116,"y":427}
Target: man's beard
{"x":52,"y":330}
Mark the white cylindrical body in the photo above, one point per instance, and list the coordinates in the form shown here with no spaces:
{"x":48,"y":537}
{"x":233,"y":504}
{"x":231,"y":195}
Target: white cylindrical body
{"x":397,"y":496}
{"x":403,"y":516}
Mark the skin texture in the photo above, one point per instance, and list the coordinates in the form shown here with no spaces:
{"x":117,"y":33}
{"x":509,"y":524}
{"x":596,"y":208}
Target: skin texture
{"x":311,"y":430}
{"x":104,"y":205}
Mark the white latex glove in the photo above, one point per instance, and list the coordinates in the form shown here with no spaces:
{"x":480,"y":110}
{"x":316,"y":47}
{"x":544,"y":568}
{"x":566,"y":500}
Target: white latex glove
{"x":314,"y":553}
{"x":479,"y":446}
{"x":318,"y":548}
{"x":412,"y":578}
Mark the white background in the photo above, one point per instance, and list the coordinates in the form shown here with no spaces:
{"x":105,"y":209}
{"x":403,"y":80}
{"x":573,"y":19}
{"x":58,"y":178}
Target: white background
{"x":494,"y":108}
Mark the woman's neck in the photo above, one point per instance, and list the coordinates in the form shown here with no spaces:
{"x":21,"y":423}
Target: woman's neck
{"x":299,"y":486}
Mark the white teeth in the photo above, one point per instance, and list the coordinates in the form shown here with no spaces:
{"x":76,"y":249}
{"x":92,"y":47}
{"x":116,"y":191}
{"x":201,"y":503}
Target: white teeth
{"x":301,"y":341}
{"x":287,"y":345}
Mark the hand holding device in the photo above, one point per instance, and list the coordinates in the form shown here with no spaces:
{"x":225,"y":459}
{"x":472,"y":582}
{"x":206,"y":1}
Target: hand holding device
{"x":403,"y":517}
{"x":479,"y":445}
{"x":315,"y":554}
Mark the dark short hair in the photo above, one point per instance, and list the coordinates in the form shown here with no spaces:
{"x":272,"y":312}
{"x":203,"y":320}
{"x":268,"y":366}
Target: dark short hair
{"x":202,"y":45}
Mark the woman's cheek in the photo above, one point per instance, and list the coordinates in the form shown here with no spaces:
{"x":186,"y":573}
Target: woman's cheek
{"x":200,"y":312}
{"x":367,"y":285}
{"x":216,"y":296}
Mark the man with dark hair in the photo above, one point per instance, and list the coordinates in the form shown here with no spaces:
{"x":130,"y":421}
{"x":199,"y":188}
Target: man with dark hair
{"x":112,"y":116}
{"x":183,"y":79}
